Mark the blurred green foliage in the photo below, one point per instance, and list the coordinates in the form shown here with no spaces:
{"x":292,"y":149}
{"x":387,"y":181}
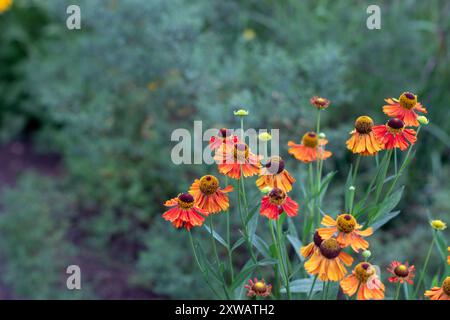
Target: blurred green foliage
{"x":108,"y":96}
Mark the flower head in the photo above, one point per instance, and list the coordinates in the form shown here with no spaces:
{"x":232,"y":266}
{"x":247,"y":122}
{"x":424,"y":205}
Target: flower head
{"x":394,"y":134}
{"x":365,"y":280}
{"x":183,"y":212}
{"x":328,"y":261}
{"x":401,"y":272}
{"x":347,"y":231}
{"x":276,"y":202}
{"x":319,"y":102}
{"x":208,"y":195}
{"x":405,"y":108}
{"x":265,"y":136}
{"x":5,"y":5}
{"x":312,"y":247}
{"x":231,"y":158}
{"x":224,"y":135}
{"x":258,"y":288}
{"x":440,"y":293}
{"x":312,"y":148}
{"x":249,"y":34}
{"x":363,"y":140}
{"x":241,"y":113}
{"x":438,"y":225}
{"x":273,"y":174}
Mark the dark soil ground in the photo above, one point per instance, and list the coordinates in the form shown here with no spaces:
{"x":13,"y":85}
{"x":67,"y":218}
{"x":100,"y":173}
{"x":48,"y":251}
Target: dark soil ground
{"x":109,"y":281}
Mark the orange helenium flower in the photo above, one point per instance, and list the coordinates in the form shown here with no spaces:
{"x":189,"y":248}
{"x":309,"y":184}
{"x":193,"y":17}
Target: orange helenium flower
{"x":273,"y":174}
{"x":5,"y":5}
{"x":440,"y":293}
{"x":184,"y":212}
{"x":347,"y":231}
{"x":363,"y":140}
{"x":401,"y":272}
{"x":319,"y":102}
{"x":404,"y":108}
{"x":311,"y":148}
{"x":277,"y":202}
{"x":365,"y":278}
{"x":312,"y":247}
{"x":394,"y":134}
{"x":328,"y":262}
{"x":231,"y":158}
{"x":258,"y":288}
{"x":223,"y":136}
{"x":208,"y":195}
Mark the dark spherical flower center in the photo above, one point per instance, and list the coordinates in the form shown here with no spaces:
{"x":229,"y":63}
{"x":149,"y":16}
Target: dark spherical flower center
{"x":395,"y":124}
{"x":275,"y":165}
{"x":330,"y":248}
{"x":346,"y":223}
{"x":363,"y":271}
{"x":209,"y":184}
{"x":408,"y":100}
{"x":310,"y":139}
{"x":224,"y":132}
{"x":317,"y":239}
{"x":186,"y":200}
{"x":401,"y":271}
{"x":241,"y":152}
{"x":446,"y":286}
{"x":364,"y":124}
{"x":277,"y":196}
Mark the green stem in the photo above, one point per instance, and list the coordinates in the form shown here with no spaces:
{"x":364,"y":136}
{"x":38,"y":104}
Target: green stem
{"x":422,"y":274}
{"x":216,"y":255}
{"x":397,"y":291}
{"x":355,"y":171}
{"x":280,"y":257}
{"x":312,"y":288}
{"x":395,"y":161}
{"x":276,"y":267}
{"x":200,"y":266}
{"x":383,"y":177}
{"x":402,"y":167}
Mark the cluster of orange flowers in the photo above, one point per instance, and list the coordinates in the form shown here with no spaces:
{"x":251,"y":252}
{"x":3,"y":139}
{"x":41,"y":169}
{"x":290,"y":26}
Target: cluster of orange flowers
{"x":325,"y":255}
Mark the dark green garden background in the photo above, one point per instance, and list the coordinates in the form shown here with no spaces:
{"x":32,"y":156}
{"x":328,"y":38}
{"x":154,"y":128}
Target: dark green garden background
{"x":86,"y":118}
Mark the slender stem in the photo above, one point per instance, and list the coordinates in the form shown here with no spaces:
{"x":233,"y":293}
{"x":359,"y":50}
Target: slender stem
{"x":422,"y":273}
{"x":397,"y":291}
{"x":395,"y":161}
{"x":280,"y":257}
{"x":213,"y":243}
{"x":402,"y":167}
{"x":323,"y":291}
{"x":312,"y":288}
{"x":276,"y":267}
{"x":355,"y":171}
{"x":200,"y":266}
{"x":383,"y":176}
{"x":318,"y":122}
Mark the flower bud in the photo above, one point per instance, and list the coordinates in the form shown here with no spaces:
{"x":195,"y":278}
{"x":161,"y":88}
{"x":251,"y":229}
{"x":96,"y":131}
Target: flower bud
{"x":438,"y":225}
{"x":264,"y":136}
{"x":423,"y":120}
{"x":241,"y":113}
{"x":322,"y":135}
{"x":366,"y":254}
{"x":266,"y":189}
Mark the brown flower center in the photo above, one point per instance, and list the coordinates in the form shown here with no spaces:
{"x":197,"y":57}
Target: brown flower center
{"x":363,"y":271}
{"x":364,"y":124}
{"x":310,"y":139}
{"x":260,"y":287}
{"x":185,"y":200}
{"x":346,"y":223}
{"x":224,"y":132}
{"x":275,"y":165}
{"x":401,"y":271}
{"x":408,"y":100}
{"x":395,"y":125}
{"x":330,"y":248}
{"x":277,"y":196}
{"x":446,"y":286}
{"x":317,"y":239}
{"x":209,"y":184}
{"x":241,"y":152}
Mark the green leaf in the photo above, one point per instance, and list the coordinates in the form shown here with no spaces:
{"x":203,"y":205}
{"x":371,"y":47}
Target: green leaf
{"x":216,"y":236}
{"x":261,"y":246}
{"x":387,"y":205}
{"x":303,"y":286}
{"x":296,"y":244}
{"x":247,"y":270}
{"x":442,"y":246}
{"x":238,"y":243}
{"x":348,"y":184}
{"x":383,"y":220}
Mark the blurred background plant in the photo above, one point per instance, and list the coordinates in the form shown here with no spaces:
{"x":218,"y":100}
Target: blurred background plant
{"x":106,"y":98}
